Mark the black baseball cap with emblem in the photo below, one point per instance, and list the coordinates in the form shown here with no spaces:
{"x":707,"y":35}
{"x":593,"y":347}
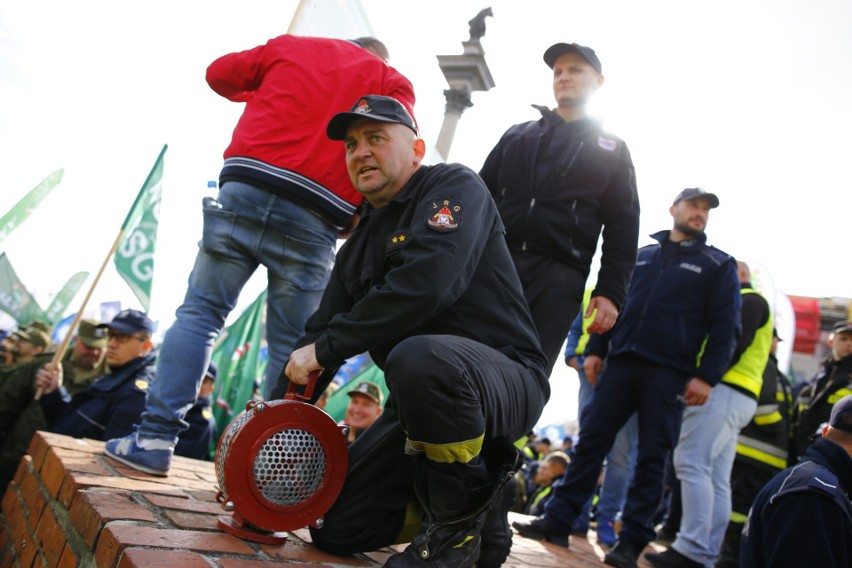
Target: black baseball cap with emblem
{"x":695,"y":193}
{"x":375,"y":107}
{"x":557,"y":50}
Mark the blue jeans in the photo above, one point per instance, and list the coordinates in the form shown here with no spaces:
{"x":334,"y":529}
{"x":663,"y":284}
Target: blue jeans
{"x":618,"y":473}
{"x":247,"y":227}
{"x":703,"y":460}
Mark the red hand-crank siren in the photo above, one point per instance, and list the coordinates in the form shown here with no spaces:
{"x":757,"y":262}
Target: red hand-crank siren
{"x":280,"y":466}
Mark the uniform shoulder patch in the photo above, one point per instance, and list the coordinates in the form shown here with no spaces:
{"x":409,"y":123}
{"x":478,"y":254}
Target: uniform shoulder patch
{"x":606,"y":143}
{"x":141,"y":384}
{"x":444,"y":215}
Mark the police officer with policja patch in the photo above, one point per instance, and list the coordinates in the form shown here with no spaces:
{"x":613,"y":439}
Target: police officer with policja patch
{"x":427,"y":286}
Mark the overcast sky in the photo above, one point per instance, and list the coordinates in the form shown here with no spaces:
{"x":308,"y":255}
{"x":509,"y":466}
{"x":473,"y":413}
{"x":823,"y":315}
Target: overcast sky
{"x":748,"y":99}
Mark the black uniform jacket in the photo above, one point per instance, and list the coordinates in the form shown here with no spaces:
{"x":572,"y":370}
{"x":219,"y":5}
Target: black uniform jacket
{"x":803,"y":516}
{"x":556,"y":183}
{"x":433,"y":261}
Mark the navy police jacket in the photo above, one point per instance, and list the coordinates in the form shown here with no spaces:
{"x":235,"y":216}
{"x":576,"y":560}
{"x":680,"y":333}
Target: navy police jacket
{"x":108,"y":408}
{"x":197,"y":441}
{"x":803,"y":516}
{"x":682,"y":309}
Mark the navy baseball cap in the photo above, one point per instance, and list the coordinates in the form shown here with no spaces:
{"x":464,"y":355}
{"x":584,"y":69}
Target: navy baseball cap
{"x":841,"y":414}
{"x":375,"y":107}
{"x":130,"y":322}
{"x":694,"y":193}
{"x":842,"y":326}
{"x":558,"y":49}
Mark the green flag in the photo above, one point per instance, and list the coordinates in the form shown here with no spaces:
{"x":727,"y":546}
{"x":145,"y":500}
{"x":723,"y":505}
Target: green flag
{"x":60,"y":302}
{"x":14,"y":297}
{"x":22,"y":209}
{"x":134,"y":258}
{"x":237,"y":356}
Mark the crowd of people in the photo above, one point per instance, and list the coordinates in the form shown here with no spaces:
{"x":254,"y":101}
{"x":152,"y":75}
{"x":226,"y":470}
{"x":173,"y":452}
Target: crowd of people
{"x":463,"y":287}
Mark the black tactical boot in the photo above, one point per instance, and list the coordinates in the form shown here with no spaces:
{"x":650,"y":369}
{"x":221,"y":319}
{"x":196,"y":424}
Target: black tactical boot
{"x":504,"y":459}
{"x":455,"y":499}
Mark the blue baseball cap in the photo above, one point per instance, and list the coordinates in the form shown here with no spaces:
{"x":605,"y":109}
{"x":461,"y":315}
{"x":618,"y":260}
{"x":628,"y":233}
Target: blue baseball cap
{"x":130,"y":322}
{"x":841,"y":414}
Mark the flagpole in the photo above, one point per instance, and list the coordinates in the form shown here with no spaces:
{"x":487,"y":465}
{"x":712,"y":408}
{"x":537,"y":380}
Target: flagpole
{"x":60,"y":351}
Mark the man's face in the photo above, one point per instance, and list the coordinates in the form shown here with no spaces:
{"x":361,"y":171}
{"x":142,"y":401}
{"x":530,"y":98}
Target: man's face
{"x":86,"y":358}
{"x":574,"y":80}
{"x":691,"y":216}
{"x":841,"y":345}
{"x":547,"y":471}
{"x":381,"y":157}
{"x":123,"y":348}
{"x":207,"y":386}
{"x":362,"y":411}
{"x":27,"y":350}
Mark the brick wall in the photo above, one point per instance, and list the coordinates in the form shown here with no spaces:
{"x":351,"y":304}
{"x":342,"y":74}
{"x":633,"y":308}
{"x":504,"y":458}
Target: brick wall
{"x":69,"y":505}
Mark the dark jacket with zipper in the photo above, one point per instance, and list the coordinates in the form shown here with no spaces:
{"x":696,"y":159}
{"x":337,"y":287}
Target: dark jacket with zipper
{"x":814,"y":401}
{"x":109,"y":408}
{"x":682,"y":309}
{"x":556,"y":184}
{"x":402,"y":273}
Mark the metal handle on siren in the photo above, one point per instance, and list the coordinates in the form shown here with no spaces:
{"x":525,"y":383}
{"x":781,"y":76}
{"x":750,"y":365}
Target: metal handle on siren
{"x":280,"y":466}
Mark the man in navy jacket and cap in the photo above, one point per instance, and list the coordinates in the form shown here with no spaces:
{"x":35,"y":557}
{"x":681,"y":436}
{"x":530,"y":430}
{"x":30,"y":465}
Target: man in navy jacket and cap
{"x":113,"y":403}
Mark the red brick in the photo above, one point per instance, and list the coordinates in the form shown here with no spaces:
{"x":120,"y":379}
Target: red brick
{"x":188,"y":505}
{"x":52,"y":472}
{"x":208,"y":496}
{"x":175,"y":479}
{"x":77,"y":481}
{"x":296,"y":549}
{"x":144,"y":558}
{"x":192,"y":521}
{"x":51,"y":538}
{"x":24,"y":468}
{"x":60,"y":441}
{"x":237,"y":563}
{"x":33,"y":500}
{"x":38,"y":449}
{"x":117,"y":537}
{"x":69,"y":558}
{"x":93,"y":508}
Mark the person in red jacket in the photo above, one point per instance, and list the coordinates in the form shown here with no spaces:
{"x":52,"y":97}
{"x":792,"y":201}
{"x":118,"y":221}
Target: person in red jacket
{"x":284,"y":198}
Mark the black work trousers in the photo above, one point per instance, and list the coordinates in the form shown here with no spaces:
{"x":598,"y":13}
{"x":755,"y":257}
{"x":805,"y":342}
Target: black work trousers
{"x":554,"y":293}
{"x":444,"y":390}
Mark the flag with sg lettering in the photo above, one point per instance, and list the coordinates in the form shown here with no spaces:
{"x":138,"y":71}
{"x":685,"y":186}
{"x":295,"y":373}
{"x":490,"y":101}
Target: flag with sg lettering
{"x":134,"y":258}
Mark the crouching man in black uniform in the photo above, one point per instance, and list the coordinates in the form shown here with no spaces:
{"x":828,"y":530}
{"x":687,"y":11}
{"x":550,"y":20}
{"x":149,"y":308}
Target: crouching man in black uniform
{"x":427,"y":286}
